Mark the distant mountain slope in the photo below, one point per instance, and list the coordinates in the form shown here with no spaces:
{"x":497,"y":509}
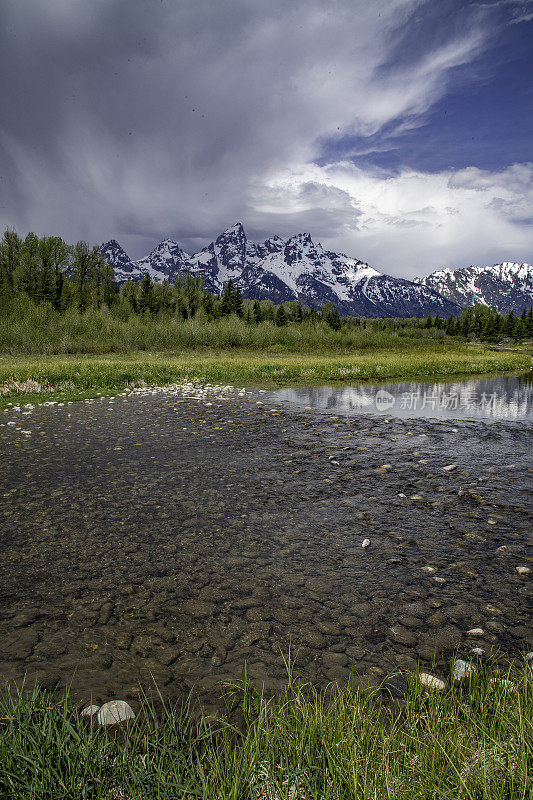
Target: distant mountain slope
{"x":508,"y":286}
{"x":286,"y":269}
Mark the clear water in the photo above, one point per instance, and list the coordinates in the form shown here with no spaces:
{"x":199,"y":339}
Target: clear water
{"x":497,"y":398}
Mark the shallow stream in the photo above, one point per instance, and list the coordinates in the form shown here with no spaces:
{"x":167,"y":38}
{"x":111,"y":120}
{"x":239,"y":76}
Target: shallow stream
{"x":174,"y":537}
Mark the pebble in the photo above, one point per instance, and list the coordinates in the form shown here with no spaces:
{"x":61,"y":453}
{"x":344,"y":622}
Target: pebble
{"x":365,"y":542}
{"x":462,"y":669}
{"x":477,"y":651}
{"x":115,"y":711}
{"x":450,"y":468}
{"x":431,"y":682}
{"x":90,"y":711}
{"x":428,"y":569}
{"x":523,"y":570}
{"x":476,"y":632}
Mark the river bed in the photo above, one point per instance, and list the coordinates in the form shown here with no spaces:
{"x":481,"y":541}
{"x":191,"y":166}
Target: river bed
{"x":168,"y":538}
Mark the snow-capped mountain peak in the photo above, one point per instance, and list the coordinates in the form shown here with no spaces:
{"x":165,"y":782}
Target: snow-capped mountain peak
{"x":507,"y":286}
{"x":286,"y":269}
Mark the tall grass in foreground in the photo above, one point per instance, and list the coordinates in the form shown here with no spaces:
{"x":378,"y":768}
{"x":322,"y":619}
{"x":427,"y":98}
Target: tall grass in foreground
{"x":473,"y":740}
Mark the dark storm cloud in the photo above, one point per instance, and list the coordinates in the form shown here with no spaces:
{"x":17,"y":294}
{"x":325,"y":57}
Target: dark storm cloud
{"x":138,"y":119}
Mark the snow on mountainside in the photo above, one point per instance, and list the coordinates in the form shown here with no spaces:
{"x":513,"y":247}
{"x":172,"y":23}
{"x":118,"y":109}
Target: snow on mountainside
{"x":281,"y":270}
{"x":508,"y":286}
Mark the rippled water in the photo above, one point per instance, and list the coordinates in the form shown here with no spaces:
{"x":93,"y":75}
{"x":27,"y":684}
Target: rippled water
{"x":499,"y":398}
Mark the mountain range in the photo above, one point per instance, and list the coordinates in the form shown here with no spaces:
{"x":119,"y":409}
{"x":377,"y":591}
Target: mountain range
{"x":508,"y":286}
{"x":298,"y":269}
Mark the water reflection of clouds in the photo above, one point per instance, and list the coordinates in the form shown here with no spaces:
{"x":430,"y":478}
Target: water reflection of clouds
{"x":481,"y":398}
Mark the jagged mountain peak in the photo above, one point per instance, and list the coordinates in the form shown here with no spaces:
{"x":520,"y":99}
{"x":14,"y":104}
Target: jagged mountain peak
{"x":294,"y":268}
{"x":237,"y":228}
{"x":507,"y":286}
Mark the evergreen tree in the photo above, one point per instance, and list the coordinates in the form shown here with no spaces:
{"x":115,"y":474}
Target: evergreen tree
{"x":256,"y":312}
{"x":237,"y":301}
{"x":519,"y":331}
{"x":529,"y":325}
{"x":281,"y":317}
{"x":451,"y":326}
{"x":226,"y":305}
{"x":508,"y":324}
{"x":331,"y":316}
{"x":208,"y":304}
{"x":146,"y":302}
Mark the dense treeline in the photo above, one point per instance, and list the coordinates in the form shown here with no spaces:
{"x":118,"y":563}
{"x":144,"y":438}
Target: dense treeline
{"x":47,"y":270}
{"x":52,"y":284}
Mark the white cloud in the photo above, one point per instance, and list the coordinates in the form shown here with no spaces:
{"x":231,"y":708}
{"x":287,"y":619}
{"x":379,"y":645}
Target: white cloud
{"x":415,"y":222}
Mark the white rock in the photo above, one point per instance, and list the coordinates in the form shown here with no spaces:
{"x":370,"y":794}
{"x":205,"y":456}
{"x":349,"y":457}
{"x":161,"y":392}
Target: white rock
{"x":437,"y":579}
{"x":365,"y":542}
{"x":429,"y":569}
{"x":477,"y":651}
{"x":523,"y":570}
{"x":89,"y":711}
{"x":401,"y":494}
{"x":476,"y":632}
{"x":462,"y":669}
{"x":529,"y":656}
{"x":431,"y":681}
{"x":450,"y":468}
{"x":115,"y":711}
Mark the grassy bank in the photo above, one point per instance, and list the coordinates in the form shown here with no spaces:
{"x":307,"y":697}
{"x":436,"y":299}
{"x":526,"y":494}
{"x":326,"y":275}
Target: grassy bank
{"x":473,"y":740}
{"x":32,"y":378}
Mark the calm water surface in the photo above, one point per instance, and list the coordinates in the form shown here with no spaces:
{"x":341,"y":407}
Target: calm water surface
{"x":496,"y":398}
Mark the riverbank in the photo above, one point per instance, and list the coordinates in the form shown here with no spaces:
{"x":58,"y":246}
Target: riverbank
{"x":471,"y":740}
{"x":73,"y":377}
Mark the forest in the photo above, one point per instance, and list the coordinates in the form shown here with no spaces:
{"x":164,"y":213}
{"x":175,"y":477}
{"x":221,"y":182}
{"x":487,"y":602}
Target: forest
{"x":49,"y":289}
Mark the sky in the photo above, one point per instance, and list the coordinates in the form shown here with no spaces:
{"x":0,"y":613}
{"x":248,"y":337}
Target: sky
{"x":399,"y":132}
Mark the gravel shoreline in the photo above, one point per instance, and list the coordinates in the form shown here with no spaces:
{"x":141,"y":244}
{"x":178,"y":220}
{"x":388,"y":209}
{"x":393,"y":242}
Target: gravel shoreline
{"x":175,"y":535}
